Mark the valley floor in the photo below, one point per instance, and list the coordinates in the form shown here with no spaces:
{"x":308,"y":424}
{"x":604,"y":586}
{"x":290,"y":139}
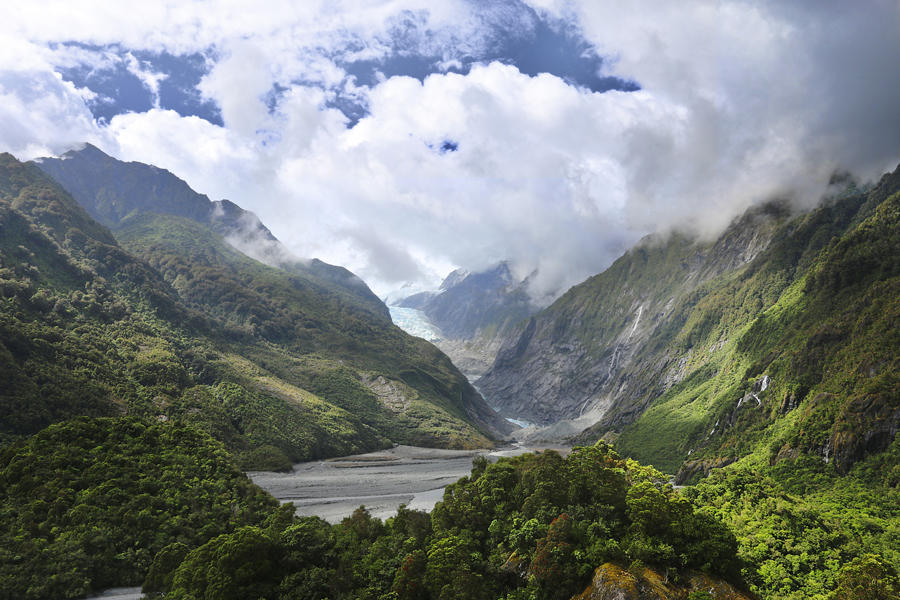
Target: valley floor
{"x":381,"y":481}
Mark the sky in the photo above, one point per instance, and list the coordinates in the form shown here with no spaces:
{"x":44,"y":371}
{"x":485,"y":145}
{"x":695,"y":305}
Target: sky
{"x":406,"y":138}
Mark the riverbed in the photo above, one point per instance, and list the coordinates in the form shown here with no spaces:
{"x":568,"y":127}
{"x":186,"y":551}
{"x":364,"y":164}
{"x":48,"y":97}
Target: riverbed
{"x":381,"y":481}
{"x":133,"y":593}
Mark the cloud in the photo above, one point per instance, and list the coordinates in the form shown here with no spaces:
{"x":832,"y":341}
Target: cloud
{"x":738,"y":102}
{"x":774,"y":98}
{"x":42,"y":115}
{"x":147,"y":76}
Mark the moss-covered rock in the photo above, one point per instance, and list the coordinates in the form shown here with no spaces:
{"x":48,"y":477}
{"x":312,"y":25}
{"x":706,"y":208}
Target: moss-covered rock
{"x":613,"y":582}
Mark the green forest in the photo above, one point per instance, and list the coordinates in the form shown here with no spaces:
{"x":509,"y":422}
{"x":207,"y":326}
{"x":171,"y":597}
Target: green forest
{"x":145,"y":366}
{"x":94,"y":503}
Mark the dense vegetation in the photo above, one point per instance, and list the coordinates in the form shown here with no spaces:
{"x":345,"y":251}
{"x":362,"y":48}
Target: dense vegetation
{"x":90,"y":503}
{"x":94,"y":503}
{"x":535,"y":526}
{"x":804,"y":531}
{"x":269,"y":361}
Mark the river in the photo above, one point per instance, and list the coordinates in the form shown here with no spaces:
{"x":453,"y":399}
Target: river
{"x":381,"y":481}
{"x":133,"y":593}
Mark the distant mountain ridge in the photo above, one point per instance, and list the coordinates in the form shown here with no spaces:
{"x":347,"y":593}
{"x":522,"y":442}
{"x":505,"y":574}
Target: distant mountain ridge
{"x":775,"y":338}
{"x":473,"y":311}
{"x":469,"y":304}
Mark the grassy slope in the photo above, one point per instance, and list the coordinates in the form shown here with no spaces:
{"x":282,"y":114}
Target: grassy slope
{"x":305,"y":336}
{"x":816,"y":314}
{"x":89,"y":330}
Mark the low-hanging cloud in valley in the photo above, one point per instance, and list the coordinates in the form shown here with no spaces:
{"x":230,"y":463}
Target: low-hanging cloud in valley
{"x":398,"y":139}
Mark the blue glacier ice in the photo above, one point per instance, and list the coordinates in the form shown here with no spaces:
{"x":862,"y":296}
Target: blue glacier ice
{"x":414,"y":322}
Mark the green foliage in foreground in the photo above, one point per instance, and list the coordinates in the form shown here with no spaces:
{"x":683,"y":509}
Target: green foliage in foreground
{"x":89,"y":503}
{"x":534,"y":526}
{"x":95,"y":503}
{"x":805,"y":532}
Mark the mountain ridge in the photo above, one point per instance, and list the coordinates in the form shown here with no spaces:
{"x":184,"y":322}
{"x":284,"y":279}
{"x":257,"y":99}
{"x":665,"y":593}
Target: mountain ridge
{"x":675,"y":352}
{"x":111,"y":190}
{"x":178,"y":354}
{"x":473,"y":310}
{"x":606,"y":318}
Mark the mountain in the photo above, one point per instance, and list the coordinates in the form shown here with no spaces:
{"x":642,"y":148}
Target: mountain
{"x":782,"y":331}
{"x":473,"y":311}
{"x":602,"y":336}
{"x":111,"y":190}
{"x":776,"y":338}
{"x":171,"y":320}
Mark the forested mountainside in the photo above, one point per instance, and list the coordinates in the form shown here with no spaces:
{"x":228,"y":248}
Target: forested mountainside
{"x":473,"y":312}
{"x":782,"y":332}
{"x":111,"y":190}
{"x":184,"y":327}
{"x":149,"y":326}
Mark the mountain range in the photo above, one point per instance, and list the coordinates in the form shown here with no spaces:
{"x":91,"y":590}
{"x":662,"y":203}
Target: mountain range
{"x":473,"y":311}
{"x":153,"y":342}
{"x":130,"y":293}
{"x":778,"y":338}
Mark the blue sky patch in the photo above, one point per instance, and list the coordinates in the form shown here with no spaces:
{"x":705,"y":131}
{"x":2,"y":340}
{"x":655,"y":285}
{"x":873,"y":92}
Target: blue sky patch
{"x":510,"y":32}
{"x":120,"y":89}
{"x":533,"y":45}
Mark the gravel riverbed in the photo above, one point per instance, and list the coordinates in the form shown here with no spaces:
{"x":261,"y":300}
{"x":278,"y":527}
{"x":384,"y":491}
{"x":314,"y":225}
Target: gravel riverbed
{"x":381,"y":481}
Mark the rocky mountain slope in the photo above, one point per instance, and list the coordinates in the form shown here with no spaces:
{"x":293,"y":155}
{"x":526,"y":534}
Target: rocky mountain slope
{"x":780,"y":334}
{"x":589,"y":349}
{"x":473,"y":312}
{"x":170,"y":320}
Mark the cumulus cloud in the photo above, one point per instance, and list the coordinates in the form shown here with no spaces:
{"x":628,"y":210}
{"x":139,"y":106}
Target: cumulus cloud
{"x":40,"y":114}
{"x":738,"y":102}
{"x":772,"y":97}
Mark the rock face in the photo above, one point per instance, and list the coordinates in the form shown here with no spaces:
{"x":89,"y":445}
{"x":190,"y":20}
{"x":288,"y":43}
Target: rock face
{"x":686,"y":351}
{"x":612,"y":582}
{"x":473,"y":311}
{"x":603,"y":343}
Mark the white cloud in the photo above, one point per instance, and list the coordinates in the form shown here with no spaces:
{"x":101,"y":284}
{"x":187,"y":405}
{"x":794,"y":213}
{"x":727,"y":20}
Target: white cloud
{"x":739,"y":101}
{"x":773,"y":96}
{"x":42,"y":115}
{"x":147,"y":76}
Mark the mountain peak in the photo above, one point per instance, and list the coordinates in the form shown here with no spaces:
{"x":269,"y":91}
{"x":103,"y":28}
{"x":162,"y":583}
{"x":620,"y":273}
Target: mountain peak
{"x":454,"y":278}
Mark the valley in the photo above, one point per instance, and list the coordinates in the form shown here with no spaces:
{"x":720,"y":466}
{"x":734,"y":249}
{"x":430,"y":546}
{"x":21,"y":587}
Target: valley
{"x":757,"y":371}
{"x":381,"y":481}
